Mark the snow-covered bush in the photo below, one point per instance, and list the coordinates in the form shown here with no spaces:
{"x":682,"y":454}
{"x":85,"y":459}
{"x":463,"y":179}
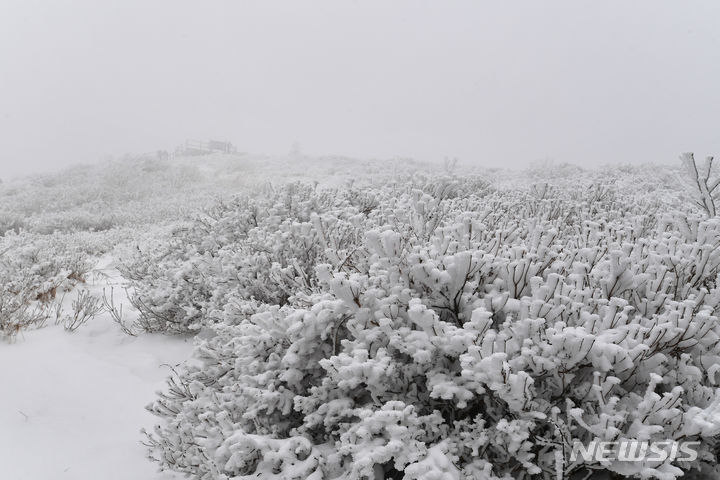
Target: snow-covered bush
{"x":702,"y":182}
{"x":265,"y":247}
{"x":33,"y":269}
{"x":99,"y":198}
{"x":17,"y":314}
{"x":246,"y":248}
{"x":84,"y":308}
{"x":40,"y":264}
{"x":476,"y":333}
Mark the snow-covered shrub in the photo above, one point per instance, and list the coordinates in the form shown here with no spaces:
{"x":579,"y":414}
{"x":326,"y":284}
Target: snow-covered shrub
{"x":263,"y":249}
{"x":471,"y":336}
{"x":17,"y":313}
{"x":701,"y":182}
{"x":115,"y":311}
{"x":33,"y":269}
{"x":10,"y":223}
{"x":97,"y":198}
{"x":84,"y":308}
{"x":40,"y":264}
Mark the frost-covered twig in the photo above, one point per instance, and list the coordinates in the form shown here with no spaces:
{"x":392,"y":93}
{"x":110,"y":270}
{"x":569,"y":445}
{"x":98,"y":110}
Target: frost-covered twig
{"x":84,"y":308}
{"x":116,"y":313}
{"x":700,"y":184}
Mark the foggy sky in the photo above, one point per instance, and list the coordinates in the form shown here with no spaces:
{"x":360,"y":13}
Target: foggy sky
{"x":500,"y":83}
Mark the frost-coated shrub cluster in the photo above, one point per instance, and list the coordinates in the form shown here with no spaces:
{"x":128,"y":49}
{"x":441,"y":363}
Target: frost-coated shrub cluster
{"x":135,"y":191}
{"x":98,"y":198}
{"x":34,"y":270}
{"x":438,"y":328}
{"x":264,"y":249}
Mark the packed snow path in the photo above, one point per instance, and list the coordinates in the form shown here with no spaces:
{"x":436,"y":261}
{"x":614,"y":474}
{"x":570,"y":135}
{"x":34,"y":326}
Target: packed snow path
{"x":72,"y":404}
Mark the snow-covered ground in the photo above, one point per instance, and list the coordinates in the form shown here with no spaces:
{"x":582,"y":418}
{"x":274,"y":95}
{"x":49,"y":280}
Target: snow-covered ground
{"x":63,"y":394}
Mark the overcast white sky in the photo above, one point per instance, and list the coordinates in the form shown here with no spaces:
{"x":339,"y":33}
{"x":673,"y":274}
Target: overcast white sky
{"x":503,"y":82}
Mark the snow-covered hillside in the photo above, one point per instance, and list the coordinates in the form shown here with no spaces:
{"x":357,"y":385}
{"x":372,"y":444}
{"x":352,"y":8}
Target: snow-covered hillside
{"x":360,"y":320}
